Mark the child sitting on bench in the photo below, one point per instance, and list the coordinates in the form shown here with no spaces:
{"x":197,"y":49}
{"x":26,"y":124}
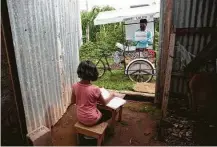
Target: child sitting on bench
{"x":86,"y":96}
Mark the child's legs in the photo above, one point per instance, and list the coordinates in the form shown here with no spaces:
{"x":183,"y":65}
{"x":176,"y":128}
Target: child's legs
{"x":106,"y":115}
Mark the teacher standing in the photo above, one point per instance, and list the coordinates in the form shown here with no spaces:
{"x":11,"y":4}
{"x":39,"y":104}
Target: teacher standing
{"x":143,"y":44}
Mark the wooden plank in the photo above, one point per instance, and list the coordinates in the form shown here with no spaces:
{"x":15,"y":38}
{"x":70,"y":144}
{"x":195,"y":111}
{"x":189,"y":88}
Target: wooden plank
{"x":167,"y":25}
{"x":152,"y":95}
{"x":208,"y":53}
{"x":168,"y":75}
{"x":193,"y":31}
{"x":144,"y":87}
{"x":97,"y":129}
{"x":41,"y":136}
{"x":7,"y":41}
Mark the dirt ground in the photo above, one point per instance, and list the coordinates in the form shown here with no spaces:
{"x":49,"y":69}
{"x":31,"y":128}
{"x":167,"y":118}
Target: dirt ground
{"x":136,"y":128}
{"x":144,"y":87}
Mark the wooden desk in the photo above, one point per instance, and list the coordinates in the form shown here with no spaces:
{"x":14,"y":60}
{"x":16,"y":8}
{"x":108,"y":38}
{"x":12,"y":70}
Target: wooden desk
{"x":114,"y":111}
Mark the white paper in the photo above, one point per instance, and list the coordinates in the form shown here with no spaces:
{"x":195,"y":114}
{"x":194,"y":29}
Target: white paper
{"x":105,"y":94}
{"x":116,"y":102}
{"x":139,"y":36}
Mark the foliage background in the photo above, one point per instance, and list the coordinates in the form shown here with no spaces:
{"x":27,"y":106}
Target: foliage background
{"x":103,"y":37}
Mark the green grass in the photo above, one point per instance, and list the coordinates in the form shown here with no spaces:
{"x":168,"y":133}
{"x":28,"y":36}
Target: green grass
{"x":144,"y":108}
{"x":116,"y":80}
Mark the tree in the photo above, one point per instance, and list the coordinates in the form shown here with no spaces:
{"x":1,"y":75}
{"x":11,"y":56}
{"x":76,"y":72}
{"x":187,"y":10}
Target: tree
{"x":87,"y":19}
{"x":103,"y":36}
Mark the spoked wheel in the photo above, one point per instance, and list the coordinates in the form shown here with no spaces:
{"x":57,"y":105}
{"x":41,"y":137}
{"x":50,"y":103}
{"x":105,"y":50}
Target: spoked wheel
{"x":100,"y":66}
{"x":140,"y":71}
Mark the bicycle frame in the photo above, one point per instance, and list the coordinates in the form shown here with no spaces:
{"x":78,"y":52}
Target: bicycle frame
{"x":106,"y":62}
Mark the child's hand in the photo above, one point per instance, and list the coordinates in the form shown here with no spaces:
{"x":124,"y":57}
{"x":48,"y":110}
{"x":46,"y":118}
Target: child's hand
{"x":112,"y":94}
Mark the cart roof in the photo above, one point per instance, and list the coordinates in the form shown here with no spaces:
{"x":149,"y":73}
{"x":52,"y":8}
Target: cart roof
{"x":121,"y":15}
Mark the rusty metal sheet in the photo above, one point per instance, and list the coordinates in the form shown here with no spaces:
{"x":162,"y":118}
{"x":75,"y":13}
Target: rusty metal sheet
{"x":189,"y":14}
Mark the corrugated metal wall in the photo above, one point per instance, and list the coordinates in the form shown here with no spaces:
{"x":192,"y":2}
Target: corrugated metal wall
{"x":46,"y":37}
{"x":192,"y":14}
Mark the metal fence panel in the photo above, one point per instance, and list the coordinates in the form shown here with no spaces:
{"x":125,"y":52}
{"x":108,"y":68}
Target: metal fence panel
{"x":46,"y":37}
{"x":190,"y":14}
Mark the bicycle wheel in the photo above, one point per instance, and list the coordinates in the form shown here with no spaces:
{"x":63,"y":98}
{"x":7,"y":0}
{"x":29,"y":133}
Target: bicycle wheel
{"x":100,"y":66}
{"x":140,"y":71}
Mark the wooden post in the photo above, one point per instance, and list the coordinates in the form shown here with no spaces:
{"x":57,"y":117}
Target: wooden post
{"x":78,"y":138}
{"x":167,"y":25}
{"x":120,"y":114}
{"x":41,"y":136}
{"x":168,"y":75}
{"x":99,"y":140}
{"x":8,"y":48}
{"x":88,"y":32}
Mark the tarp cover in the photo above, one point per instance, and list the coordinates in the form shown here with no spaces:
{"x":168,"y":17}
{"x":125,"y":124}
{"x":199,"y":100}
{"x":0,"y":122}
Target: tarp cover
{"x":148,"y":12}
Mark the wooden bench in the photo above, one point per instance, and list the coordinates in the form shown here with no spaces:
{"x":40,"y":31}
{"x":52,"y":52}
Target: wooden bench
{"x":97,"y":131}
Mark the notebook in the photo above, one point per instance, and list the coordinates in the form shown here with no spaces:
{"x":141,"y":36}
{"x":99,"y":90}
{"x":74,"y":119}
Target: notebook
{"x":115,"y":103}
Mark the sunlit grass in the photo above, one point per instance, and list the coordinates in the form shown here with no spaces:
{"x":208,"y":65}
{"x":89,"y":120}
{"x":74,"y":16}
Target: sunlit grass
{"x":116,"y":80}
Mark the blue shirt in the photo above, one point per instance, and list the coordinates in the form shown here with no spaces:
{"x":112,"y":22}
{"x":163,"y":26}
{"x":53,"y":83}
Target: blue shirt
{"x":144,"y":43}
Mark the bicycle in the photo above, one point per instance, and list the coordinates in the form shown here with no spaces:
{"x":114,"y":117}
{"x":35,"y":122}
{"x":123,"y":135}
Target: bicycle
{"x":102,"y":66}
{"x":138,"y":69}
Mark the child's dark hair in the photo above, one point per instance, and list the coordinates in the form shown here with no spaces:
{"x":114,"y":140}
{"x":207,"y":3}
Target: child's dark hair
{"x":87,"y":71}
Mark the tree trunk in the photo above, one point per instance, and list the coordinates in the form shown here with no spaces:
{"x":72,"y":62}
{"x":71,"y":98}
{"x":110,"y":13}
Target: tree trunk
{"x":88,"y":33}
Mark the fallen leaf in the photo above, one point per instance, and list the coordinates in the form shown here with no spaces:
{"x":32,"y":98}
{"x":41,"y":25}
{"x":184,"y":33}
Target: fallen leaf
{"x":130,"y":140}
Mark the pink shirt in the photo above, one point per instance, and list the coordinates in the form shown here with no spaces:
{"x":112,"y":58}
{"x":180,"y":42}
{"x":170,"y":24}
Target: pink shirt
{"x":87,"y":97}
